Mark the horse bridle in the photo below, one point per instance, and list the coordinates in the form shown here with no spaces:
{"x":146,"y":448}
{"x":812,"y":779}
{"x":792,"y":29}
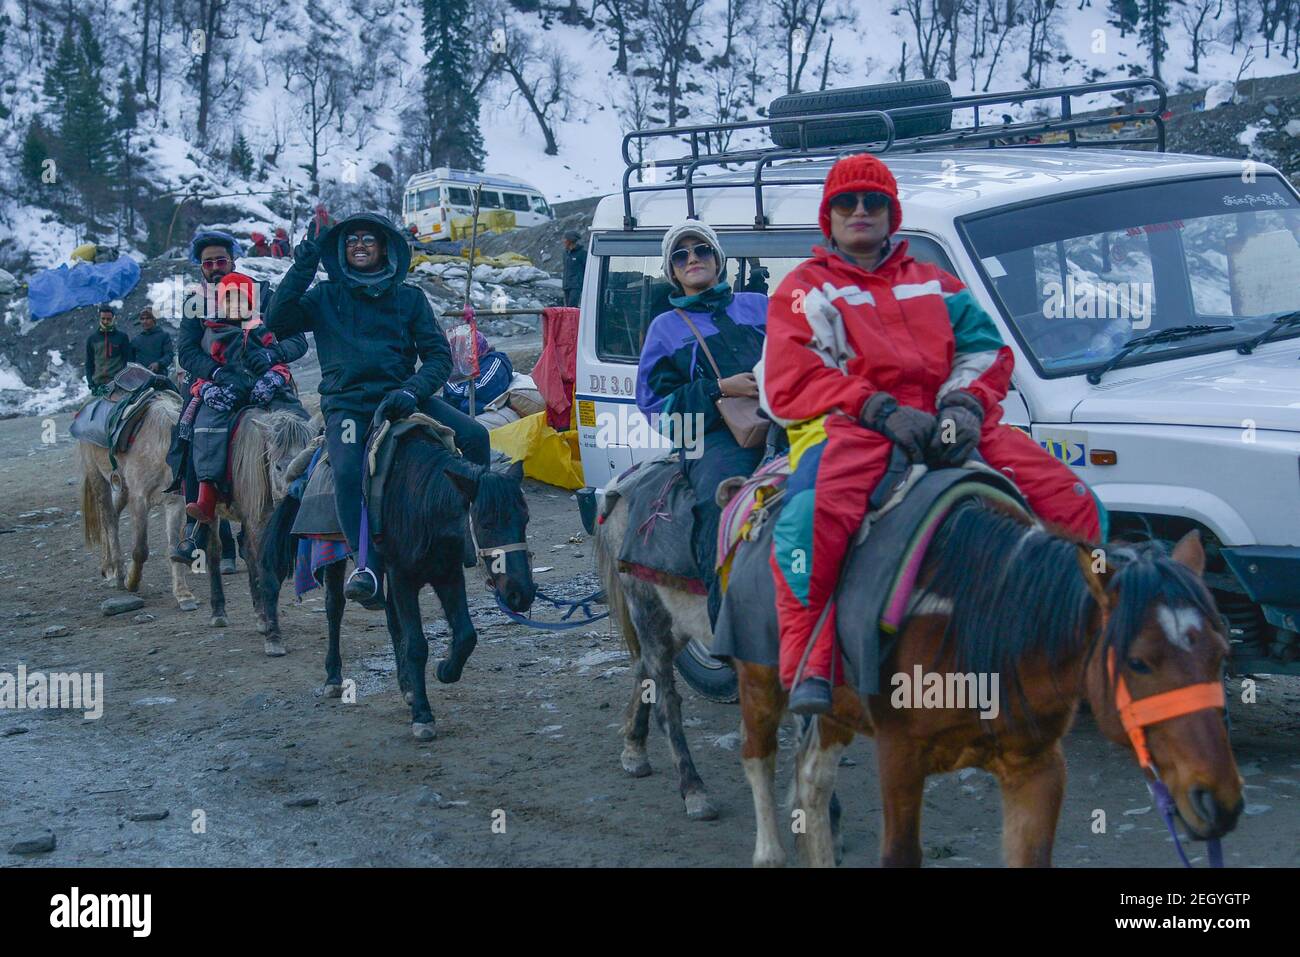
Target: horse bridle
{"x":1137,"y":715}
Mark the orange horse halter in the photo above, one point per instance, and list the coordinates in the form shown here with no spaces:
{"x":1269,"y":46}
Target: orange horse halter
{"x":1137,"y":715}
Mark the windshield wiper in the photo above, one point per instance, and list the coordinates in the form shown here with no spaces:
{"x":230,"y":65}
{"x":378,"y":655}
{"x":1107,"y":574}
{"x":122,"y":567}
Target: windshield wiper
{"x":1175,"y":334}
{"x":1280,"y":324}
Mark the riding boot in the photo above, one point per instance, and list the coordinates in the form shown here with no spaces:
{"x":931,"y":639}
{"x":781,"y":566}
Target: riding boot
{"x":194,"y":539}
{"x":228,"y":552}
{"x":204,"y":509}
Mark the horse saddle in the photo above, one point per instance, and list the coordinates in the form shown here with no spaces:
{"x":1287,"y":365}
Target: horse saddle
{"x":111,"y":422}
{"x":657,"y":546}
{"x":881,"y":568}
{"x":318,"y":516}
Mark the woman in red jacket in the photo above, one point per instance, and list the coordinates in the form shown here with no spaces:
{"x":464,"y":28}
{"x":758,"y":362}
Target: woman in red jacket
{"x":868,"y":348}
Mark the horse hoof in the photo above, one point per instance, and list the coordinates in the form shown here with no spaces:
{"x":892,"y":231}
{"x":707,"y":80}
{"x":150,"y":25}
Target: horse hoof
{"x":422,"y":731}
{"x":187,"y":604}
{"x":333,"y":691}
{"x":219,"y":621}
{"x":274,"y":648}
{"x":637,"y":765}
{"x":263,"y":628}
{"x":447,"y":672}
{"x":700,"y":808}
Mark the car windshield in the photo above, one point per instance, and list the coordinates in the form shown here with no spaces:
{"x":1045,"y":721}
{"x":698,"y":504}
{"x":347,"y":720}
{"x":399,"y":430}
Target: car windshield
{"x":1077,"y":278}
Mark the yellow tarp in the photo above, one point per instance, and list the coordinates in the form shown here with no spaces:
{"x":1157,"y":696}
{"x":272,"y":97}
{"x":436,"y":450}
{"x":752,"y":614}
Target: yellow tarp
{"x":85,"y":252}
{"x":480,"y":259}
{"x":549,"y":456}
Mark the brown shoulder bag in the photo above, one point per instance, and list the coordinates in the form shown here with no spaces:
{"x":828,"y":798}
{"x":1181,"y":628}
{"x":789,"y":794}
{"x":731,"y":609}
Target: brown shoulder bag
{"x":740,"y":412}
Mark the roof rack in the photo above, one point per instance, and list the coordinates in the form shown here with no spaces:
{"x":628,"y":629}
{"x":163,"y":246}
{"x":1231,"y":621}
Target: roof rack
{"x":992,"y":136}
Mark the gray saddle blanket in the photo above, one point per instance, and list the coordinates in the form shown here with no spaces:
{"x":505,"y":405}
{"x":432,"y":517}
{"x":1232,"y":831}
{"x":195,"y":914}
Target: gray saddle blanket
{"x":882,"y":568}
{"x":318,"y":514}
{"x":107,"y":422}
{"x":657,"y":545}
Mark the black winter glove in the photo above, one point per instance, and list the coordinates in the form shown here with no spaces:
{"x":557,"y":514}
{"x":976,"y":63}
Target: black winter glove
{"x":957,"y":433}
{"x":398,"y":404}
{"x":232,"y":379}
{"x":907,"y":427}
{"x":259,"y":361}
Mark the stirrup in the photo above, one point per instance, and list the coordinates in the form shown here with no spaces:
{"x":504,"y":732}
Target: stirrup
{"x":372,"y":597}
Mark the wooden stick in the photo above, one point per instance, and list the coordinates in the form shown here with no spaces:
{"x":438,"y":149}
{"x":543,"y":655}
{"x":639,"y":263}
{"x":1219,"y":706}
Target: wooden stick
{"x":469,"y":280}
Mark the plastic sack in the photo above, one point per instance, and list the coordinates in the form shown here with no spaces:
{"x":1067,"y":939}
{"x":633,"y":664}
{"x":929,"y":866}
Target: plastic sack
{"x":548,"y":456}
{"x":53,"y":291}
{"x":464,"y":351}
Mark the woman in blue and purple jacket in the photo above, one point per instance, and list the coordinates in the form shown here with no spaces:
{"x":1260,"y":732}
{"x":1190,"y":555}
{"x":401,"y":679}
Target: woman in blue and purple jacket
{"x":674,"y":378}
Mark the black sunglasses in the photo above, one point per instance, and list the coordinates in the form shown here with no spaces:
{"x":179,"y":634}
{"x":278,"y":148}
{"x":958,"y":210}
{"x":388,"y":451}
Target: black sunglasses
{"x":847,"y":203}
{"x":680,"y":257}
{"x":365,"y":239}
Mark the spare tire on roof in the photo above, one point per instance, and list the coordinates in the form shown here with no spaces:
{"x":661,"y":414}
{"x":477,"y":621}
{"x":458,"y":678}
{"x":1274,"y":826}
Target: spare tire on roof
{"x":880,"y":96}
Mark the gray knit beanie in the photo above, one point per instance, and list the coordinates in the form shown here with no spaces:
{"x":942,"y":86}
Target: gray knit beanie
{"x":692,"y":227}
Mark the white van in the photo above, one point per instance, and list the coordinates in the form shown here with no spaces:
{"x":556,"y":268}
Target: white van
{"x":436,"y":197}
{"x":1076,"y":251}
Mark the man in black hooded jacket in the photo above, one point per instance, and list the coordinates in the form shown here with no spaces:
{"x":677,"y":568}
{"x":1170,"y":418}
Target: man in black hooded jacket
{"x":369,"y":326}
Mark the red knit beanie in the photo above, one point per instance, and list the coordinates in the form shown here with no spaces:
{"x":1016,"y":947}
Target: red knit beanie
{"x":860,"y":173}
{"x":238,"y":280}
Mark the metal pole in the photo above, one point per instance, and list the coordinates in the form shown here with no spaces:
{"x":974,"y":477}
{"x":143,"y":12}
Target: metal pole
{"x":469,"y":280}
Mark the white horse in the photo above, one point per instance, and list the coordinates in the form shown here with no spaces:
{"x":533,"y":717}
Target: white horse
{"x":137,"y":485}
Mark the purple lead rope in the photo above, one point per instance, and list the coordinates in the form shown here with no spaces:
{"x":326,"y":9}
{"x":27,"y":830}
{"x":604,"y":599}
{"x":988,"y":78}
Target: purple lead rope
{"x":1166,"y":806}
{"x":363,"y":547}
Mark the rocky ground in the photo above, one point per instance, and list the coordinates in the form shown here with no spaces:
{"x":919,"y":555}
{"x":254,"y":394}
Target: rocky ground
{"x":199,"y":725}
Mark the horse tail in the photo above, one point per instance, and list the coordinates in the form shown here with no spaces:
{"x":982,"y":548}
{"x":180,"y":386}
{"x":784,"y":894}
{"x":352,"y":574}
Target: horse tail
{"x":279,"y":545}
{"x":91,"y":521}
{"x":607,"y":564}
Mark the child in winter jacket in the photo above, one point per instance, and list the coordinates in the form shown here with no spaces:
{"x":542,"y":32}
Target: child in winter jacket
{"x":251,"y":372}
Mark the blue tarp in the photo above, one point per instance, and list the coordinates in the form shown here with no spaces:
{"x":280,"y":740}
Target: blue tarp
{"x":53,"y":291}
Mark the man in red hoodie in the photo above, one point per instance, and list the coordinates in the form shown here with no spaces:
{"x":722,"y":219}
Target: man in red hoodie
{"x":260,"y":245}
{"x":868,"y":349}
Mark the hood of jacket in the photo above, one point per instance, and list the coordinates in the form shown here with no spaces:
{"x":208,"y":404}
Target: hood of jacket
{"x":332,"y":255}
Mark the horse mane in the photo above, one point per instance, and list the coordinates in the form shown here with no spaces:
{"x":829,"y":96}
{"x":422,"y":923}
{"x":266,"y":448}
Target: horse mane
{"x":1146,"y":577}
{"x":421,"y":501}
{"x":263,"y":438}
{"x":1016,"y":591}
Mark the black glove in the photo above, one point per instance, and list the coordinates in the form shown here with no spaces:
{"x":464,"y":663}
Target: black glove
{"x":259,"y":361}
{"x":398,"y":404}
{"x":307,"y":252}
{"x":957,"y":433}
{"x":907,"y":427}
{"x":232,"y":379}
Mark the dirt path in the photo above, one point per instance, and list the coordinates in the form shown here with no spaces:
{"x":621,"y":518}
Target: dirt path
{"x":196,"y":719}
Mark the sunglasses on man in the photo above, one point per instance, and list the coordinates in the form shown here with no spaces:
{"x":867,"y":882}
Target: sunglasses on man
{"x":369,"y":240}
{"x":219,"y":263}
{"x":703,"y":252}
{"x":850,"y":203}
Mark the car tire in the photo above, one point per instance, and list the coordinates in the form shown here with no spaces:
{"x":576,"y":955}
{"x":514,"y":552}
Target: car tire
{"x":706,"y":675}
{"x":880,"y":96}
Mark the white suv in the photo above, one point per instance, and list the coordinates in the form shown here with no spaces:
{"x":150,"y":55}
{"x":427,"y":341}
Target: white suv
{"x":1076,"y":252}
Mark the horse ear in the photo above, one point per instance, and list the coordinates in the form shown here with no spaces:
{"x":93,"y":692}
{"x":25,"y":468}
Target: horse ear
{"x":516,"y":471}
{"x":1097,"y":571}
{"x":1190,"y":553}
{"x":467,"y":484}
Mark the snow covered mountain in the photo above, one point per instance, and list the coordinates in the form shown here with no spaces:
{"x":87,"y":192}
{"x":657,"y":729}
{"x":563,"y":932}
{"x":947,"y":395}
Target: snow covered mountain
{"x":346,"y":76}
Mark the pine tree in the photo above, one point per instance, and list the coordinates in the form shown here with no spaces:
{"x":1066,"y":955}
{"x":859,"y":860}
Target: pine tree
{"x":5,"y":23}
{"x":61,"y":75}
{"x":85,"y":127}
{"x":128,"y":117}
{"x":1125,"y":15}
{"x":241,"y":157}
{"x":452,"y":107}
{"x":35,"y":152}
{"x":1153,"y":28}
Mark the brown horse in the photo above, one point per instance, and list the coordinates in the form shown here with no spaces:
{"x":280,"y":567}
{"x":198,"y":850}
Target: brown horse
{"x":1049,"y":615}
{"x":261,"y":451}
{"x":137,"y":485}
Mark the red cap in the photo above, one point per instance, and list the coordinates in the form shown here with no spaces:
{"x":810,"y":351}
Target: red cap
{"x":860,"y":173}
{"x":237,"y":280}
{"x":259,"y":237}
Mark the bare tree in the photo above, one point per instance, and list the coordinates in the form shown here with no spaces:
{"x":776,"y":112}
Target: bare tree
{"x":619,"y":16}
{"x":1039,"y":15}
{"x":634,"y":110}
{"x":671,"y":25}
{"x":799,"y":22}
{"x":541,"y":80}
{"x":1193,"y":17}
{"x":203,"y":23}
{"x":1002,"y":27}
{"x":930,"y":28}
{"x":315,"y":82}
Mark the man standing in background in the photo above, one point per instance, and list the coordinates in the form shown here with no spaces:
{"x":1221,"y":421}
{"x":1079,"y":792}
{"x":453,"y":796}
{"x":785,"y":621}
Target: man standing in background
{"x":108,"y":350}
{"x":152,"y":348}
{"x":575,"y":264}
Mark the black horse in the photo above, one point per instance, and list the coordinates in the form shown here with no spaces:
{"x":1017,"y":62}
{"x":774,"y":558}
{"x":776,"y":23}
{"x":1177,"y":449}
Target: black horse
{"x":427,"y":496}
